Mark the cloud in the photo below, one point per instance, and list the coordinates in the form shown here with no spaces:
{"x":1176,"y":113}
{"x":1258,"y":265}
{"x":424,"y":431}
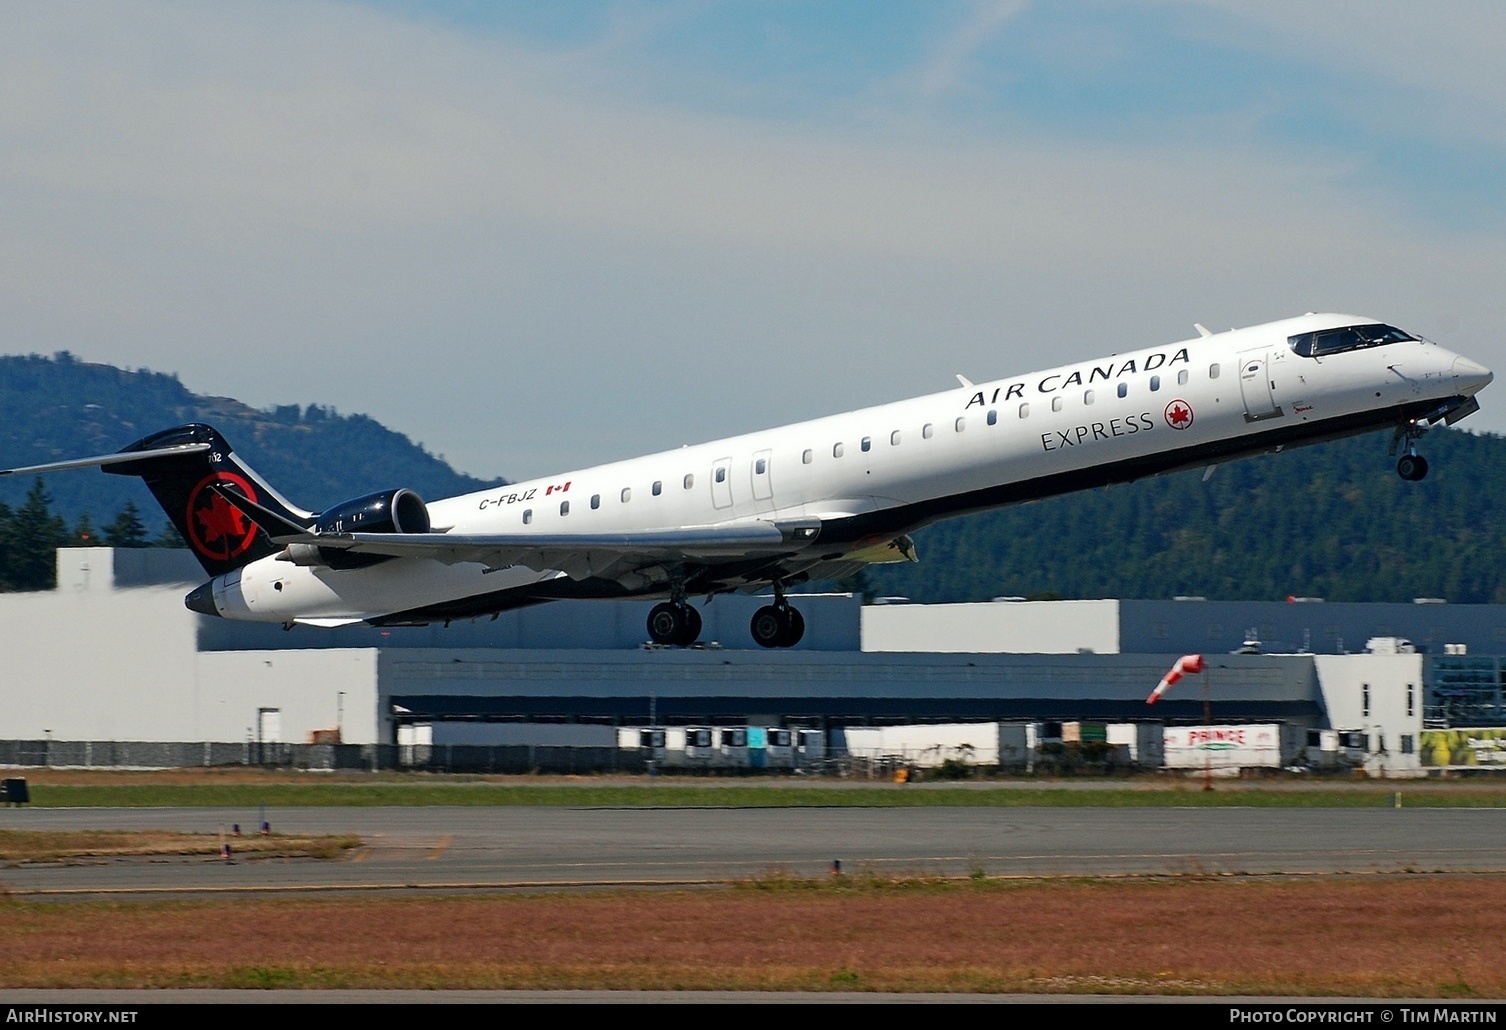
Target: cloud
{"x":495,"y":248}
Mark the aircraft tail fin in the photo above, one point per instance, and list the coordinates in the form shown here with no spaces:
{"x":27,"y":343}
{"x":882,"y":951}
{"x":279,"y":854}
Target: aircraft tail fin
{"x":190,"y":470}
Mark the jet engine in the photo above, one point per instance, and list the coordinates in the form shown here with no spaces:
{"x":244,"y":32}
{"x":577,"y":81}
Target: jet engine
{"x":391,"y":511}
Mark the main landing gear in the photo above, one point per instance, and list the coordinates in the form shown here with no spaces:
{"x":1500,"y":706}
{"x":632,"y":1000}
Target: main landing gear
{"x":777,"y":624}
{"x":674,"y":622}
{"x":1411,"y":466}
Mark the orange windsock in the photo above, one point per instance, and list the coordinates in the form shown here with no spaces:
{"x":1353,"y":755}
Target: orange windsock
{"x":1185,"y":665}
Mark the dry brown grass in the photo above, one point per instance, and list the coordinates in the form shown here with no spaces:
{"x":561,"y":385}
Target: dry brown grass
{"x":1435,"y":936}
{"x":65,"y":845}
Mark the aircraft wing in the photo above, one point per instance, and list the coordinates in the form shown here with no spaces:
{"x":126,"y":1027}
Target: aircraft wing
{"x":578,"y":555}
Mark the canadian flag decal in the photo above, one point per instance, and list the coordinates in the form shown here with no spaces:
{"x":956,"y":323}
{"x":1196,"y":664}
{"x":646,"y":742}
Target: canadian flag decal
{"x":556,"y":489}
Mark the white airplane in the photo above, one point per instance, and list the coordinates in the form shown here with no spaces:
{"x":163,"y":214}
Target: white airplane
{"x":810,"y":501}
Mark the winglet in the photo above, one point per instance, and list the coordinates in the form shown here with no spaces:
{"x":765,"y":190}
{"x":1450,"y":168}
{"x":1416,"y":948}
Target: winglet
{"x":1202,"y":330}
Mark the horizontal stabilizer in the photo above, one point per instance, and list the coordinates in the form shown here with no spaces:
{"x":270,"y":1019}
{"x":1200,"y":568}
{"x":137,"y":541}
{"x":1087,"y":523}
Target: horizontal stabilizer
{"x":118,"y":458}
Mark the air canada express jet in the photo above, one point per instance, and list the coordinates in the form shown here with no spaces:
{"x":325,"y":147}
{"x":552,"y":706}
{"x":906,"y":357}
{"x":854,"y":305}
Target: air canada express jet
{"x":811,"y":501}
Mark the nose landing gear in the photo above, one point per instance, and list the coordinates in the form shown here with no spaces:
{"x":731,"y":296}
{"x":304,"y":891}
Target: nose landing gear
{"x":1411,"y":466}
{"x":777,"y":624}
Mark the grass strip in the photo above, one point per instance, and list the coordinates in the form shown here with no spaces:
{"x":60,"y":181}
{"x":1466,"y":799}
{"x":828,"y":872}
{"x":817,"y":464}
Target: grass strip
{"x":1404,"y":936}
{"x":289,"y":795}
{"x":66,"y":845}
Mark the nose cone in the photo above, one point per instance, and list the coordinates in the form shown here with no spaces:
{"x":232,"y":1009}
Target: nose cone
{"x":201,"y":600}
{"x":1470,"y":376}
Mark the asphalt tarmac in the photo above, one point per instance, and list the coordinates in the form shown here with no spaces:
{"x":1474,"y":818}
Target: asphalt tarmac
{"x":467,"y":848}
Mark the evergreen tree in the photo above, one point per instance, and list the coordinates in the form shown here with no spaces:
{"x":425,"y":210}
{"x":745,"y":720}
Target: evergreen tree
{"x":127,"y":530}
{"x":34,"y":534}
{"x":169,"y":537}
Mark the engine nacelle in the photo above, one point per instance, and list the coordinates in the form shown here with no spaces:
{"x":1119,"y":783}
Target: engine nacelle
{"x":391,"y":511}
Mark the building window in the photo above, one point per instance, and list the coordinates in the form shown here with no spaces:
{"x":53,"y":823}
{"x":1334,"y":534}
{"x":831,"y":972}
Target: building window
{"x":595,"y":501}
{"x":1365,"y":700}
{"x":836,"y":450}
{"x":927,"y":431}
{"x":1124,"y":389}
{"x":1213,"y":371}
{"x":1155,"y":383}
{"x":867,"y":444}
{"x":1411,"y":699}
{"x":564,"y":507}
{"x":894,"y":438}
{"x":1407,"y":746}
{"x":657,"y":488}
{"x":627,"y":494}
{"x":805,"y":459}
{"x":527,"y":516}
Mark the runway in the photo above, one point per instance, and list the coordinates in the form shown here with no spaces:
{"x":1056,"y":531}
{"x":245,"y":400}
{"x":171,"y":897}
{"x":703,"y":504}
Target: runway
{"x":469,"y":848}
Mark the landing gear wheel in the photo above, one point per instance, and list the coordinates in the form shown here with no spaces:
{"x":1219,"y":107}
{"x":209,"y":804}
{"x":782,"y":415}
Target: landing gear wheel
{"x":775,"y":626}
{"x":794,"y":628}
{"x":670,"y":623}
{"x":1412,"y":467}
{"x":768,"y":626}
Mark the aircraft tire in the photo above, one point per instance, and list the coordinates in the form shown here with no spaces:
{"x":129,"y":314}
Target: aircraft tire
{"x":1412,"y":467}
{"x":794,"y":628}
{"x":767,"y":627}
{"x":666,"y":623}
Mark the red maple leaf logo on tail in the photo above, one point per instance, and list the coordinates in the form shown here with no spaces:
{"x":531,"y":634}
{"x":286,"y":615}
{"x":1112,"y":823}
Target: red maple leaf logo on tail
{"x":216,"y":527}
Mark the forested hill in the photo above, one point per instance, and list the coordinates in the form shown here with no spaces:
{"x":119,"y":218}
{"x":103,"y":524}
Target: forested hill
{"x":59,"y":407}
{"x":1331,"y":521}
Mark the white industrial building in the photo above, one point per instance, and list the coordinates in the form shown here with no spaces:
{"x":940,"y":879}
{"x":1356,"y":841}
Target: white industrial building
{"x":112,"y":655}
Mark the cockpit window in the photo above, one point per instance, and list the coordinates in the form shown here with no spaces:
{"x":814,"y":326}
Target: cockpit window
{"x":1351,"y":337}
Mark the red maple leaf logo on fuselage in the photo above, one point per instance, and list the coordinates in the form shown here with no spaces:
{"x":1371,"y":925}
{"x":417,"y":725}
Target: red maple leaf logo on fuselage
{"x":1179,"y":414}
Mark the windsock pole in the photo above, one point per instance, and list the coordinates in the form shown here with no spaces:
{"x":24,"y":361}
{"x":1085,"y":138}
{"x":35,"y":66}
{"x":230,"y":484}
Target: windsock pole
{"x":1190,"y":664}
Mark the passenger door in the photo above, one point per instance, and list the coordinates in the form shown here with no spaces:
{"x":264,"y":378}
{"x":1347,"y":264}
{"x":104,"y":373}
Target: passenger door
{"x":1256,"y":387}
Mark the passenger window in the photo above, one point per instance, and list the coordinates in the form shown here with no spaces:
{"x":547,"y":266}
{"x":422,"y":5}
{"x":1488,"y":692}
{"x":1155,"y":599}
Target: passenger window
{"x":927,"y":431}
{"x":627,"y":494}
{"x":1124,"y":389}
{"x":867,"y":443}
{"x":721,"y":473}
{"x":961,"y":423}
{"x":761,"y":466}
{"x":1056,"y":404}
{"x":993,"y":418}
{"x":689,"y":480}
{"x":894,"y":438}
{"x":1213,"y":371}
{"x":1182,"y":378}
{"x":1087,"y":396}
{"x":805,"y":459}
{"x":564,"y":507}
{"x":527,"y":516}
{"x":836,"y":450}
{"x":658,"y":487}
{"x":1155,"y":383}
{"x":595,"y":501}
{"x":1024,"y":410}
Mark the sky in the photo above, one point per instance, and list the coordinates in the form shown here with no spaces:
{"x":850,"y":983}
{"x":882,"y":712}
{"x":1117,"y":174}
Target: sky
{"x":535,"y":237}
